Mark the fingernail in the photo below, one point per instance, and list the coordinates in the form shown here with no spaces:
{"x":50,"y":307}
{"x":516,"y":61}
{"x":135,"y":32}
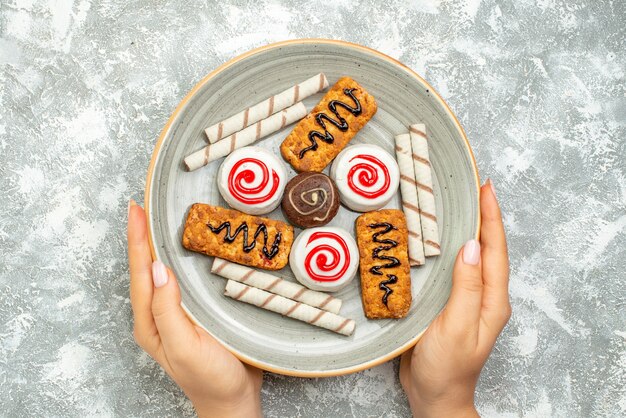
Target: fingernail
{"x":493,"y":188}
{"x":471,"y":252}
{"x":159,"y":274}
{"x":131,"y":203}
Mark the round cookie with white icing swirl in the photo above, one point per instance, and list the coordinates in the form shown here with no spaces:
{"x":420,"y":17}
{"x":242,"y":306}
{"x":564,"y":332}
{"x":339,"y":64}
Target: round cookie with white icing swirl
{"x":324,"y":259}
{"x":252,"y":180}
{"x":367,"y":177}
{"x":310,"y":199}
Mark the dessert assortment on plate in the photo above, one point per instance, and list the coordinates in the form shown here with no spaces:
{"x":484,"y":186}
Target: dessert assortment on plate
{"x":252,"y":180}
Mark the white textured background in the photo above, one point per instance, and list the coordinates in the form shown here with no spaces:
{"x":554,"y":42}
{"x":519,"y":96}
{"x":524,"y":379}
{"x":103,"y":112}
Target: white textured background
{"x":86,"y":86}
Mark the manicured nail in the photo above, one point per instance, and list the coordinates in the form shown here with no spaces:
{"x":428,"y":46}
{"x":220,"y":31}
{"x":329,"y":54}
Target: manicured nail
{"x":131,"y":203}
{"x":493,"y":189}
{"x":159,"y":274}
{"x":471,"y":252}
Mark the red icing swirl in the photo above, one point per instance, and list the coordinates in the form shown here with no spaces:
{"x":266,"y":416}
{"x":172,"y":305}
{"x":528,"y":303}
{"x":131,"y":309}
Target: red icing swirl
{"x":241,"y":183}
{"x":318,"y":256}
{"x":362,"y":176}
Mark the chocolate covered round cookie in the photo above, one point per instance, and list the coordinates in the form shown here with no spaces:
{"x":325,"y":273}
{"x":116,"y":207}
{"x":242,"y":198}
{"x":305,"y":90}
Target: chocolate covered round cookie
{"x":324,"y":259}
{"x":252,"y":180}
{"x":310,"y":199}
{"x":367,"y":177}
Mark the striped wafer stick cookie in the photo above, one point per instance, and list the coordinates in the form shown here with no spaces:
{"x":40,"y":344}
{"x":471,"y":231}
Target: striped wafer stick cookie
{"x":245,"y":137}
{"x":290,"y":308}
{"x":410,"y":203}
{"x":276,"y":285}
{"x":424,"y":180}
{"x":266,"y":108}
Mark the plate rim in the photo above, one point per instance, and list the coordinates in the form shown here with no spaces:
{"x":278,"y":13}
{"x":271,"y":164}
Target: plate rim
{"x":181,"y":106}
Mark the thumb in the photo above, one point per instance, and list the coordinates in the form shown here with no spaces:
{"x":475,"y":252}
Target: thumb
{"x":177,"y":332}
{"x":467,"y":288}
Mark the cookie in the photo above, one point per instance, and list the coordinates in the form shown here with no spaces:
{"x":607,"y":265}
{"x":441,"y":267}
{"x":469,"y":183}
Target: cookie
{"x":326,"y":130}
{"x":367,"y":177}
{"x":310,"y":199}
{"x":384,"y":266}
{"x":324,"y":258}
{"x":252,"y":180}
{"x":235,"y":236}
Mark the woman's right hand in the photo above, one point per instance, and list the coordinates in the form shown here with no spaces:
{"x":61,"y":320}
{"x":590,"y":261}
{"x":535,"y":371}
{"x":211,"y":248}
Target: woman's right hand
{"x":216,"y":382}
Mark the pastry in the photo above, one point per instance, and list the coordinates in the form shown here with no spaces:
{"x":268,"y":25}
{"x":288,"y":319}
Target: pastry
{"x":252,"y":180}
{"x":266,"y":108}
{"x":245,"y":137}
{"x":289,"y":308}
{"x":410,"y":202}
{"x":367,"y":177}
{"x":310,"y":199}
{"x":385,"y":272}
{"x":273,"y":284}
{"x":324,"y":258}
{"x":425,"y":194}
{"x":235,"y":236}
{"x":323,"y":133}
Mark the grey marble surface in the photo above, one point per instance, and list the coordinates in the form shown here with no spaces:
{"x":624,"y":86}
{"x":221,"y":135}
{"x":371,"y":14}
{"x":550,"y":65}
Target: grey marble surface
{"x":86,"y":86}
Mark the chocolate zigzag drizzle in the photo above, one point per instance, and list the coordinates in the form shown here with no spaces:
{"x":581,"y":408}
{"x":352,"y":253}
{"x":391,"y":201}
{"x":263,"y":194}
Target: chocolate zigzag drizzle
{"x":392,"y":261}
{"x":383,"y":286}
{"x":247,"y":247}
{"x":340,"y":123}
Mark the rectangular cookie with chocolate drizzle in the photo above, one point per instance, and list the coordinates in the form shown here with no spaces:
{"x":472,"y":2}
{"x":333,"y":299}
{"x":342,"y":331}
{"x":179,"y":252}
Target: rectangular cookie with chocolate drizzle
{"x":238,"y":237}
{"x":382,"y":237}
{"x":324,"y":132}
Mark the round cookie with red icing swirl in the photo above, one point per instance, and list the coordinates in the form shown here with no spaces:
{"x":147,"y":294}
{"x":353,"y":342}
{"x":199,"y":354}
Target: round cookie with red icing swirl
{"x":324,"y":258}
{"x":252,"y":180}
{"x":367,"y":177}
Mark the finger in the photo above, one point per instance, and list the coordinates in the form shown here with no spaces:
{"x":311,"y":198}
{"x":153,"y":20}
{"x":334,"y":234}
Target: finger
{"x":495,"y":261}
{"x":140,"y":261}
{"x":463,"y":307}
{"x":178,"y":334}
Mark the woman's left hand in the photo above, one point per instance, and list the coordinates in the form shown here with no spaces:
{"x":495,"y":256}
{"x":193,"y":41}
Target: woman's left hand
{"x":440,"y":374}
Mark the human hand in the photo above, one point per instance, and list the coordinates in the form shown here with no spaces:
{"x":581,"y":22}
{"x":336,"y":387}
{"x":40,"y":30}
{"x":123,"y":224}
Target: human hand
{"x":216,"y":382}
{"x":440,"y":373}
